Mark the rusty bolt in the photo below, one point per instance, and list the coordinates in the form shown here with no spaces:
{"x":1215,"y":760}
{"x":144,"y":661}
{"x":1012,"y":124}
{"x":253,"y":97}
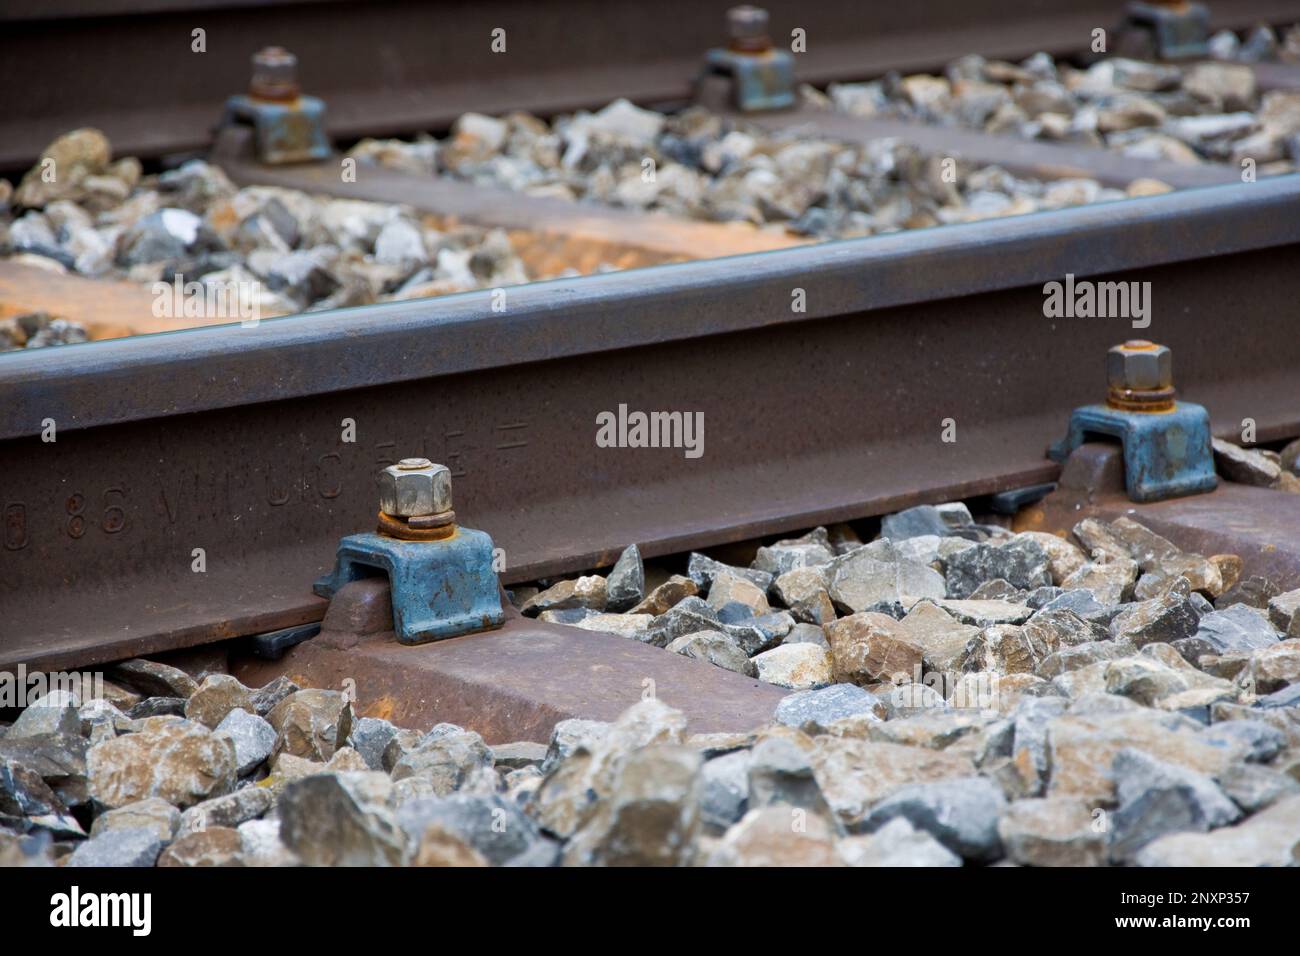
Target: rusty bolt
{"x":275,"y":74}
{"x":747,"y":27}
{"x":414,"y":487}
{"x":1139,"y":365}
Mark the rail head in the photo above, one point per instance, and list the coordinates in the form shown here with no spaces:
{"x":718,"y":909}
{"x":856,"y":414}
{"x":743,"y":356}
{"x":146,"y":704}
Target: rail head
{"x":153,"y":376}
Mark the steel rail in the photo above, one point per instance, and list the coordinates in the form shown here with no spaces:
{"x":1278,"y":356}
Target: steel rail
{"x":229,"y":439}
{"x":396,"y":66}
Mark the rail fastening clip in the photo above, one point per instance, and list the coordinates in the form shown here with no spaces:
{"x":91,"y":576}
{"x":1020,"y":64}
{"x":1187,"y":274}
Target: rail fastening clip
{"x":1167,"y":444}
{"x":288,"y":127}
{"x":1173,"y":29}
{"x":760,"y":76}
{"x":441,"y":575}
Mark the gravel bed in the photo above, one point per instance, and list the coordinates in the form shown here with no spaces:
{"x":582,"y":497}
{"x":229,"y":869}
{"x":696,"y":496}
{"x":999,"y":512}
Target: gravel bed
{"x":708,"y":167}
{"x":293,"y":252}
{"x":960,"y":694}
{"x":282,"y":250}
{"x":1263,"y":44}
{"x":1206,"y":112}
{"x":700,"y":165}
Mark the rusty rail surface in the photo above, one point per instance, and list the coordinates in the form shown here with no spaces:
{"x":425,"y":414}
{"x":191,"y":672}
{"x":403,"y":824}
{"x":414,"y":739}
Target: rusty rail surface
{"x":230,"y":439}
{"x":396,"y":66}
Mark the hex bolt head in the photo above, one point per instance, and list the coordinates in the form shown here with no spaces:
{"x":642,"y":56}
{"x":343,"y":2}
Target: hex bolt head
{"x":1139,"y":365}
{"x":747,"y":23}
{"x":275,"y":74}
{"x":414,"y":487}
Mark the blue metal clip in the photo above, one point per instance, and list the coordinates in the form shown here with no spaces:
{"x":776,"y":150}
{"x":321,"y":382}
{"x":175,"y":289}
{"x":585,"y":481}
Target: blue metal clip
{"x":1167,"y":454}
{"x":760,"y":81}
{"x":440,"y":589}
{"x":284,"y":132}
{"x":1178,"y":33}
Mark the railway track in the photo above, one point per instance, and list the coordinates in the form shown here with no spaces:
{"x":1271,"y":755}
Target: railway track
{"x":163,"y":493}
{"x":155,"y":424}
{"x":417,"y":55}
{"x":145,"y":415}
{"x":167,"y":439}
